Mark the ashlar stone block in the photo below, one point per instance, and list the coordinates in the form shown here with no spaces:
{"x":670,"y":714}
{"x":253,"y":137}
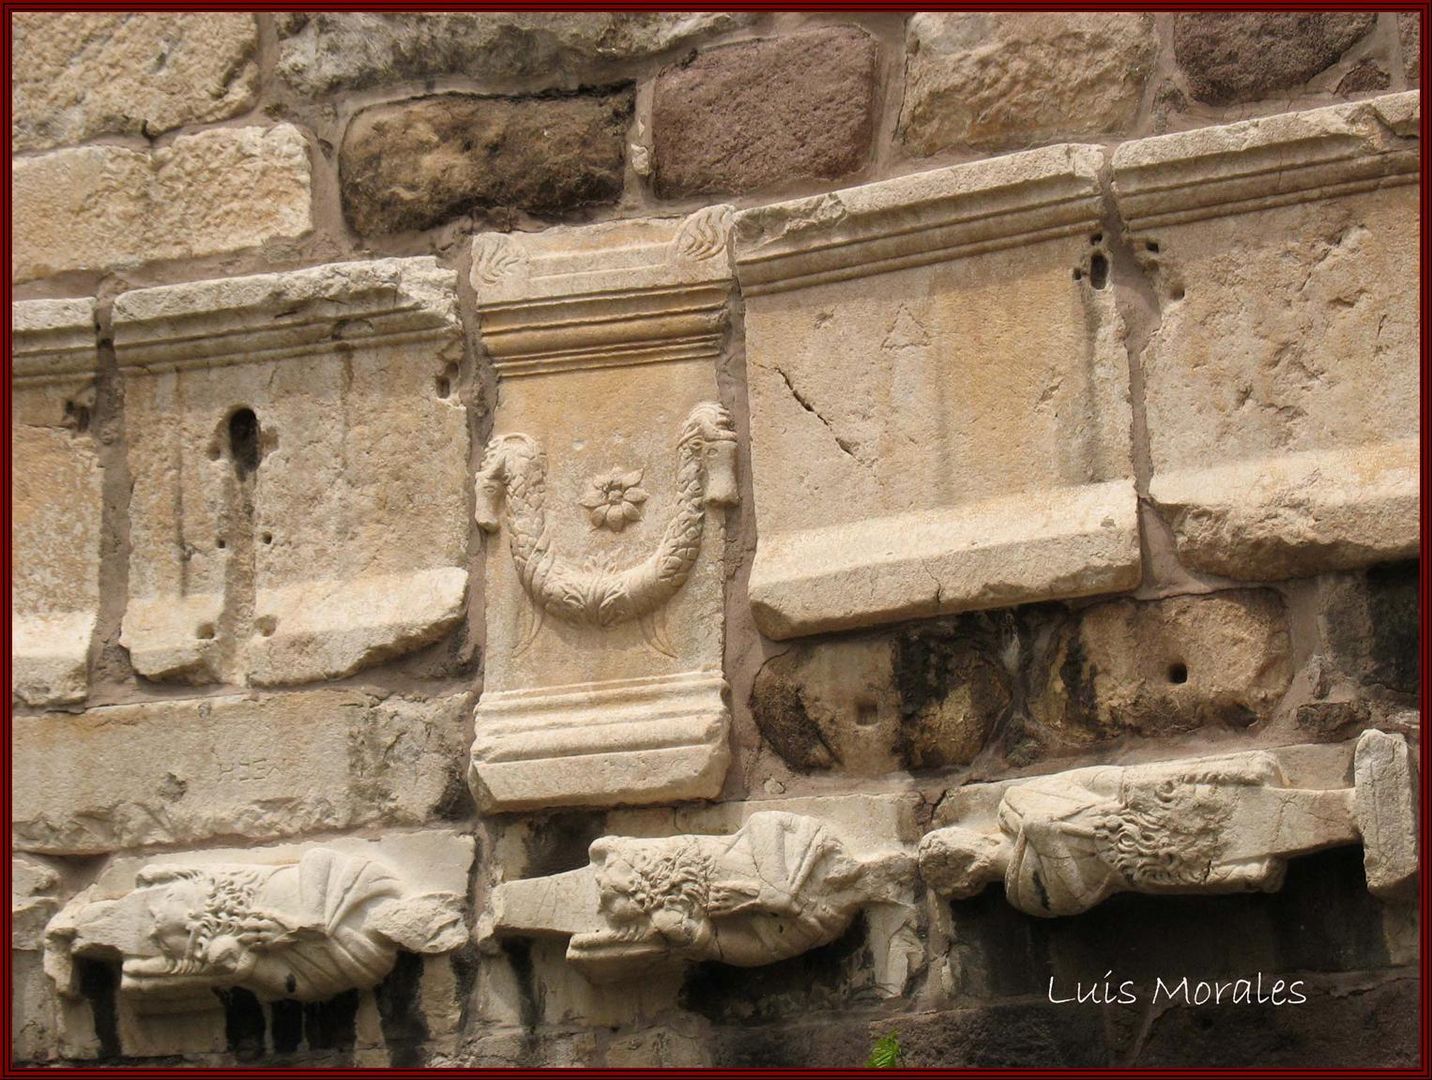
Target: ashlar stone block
{"x":57,"y":502}
{"x":81,"y":74}
{"x":939,"y":396}
{"x":603,"y":491}
{"x":256,"y":768}
{"x":299,"y":453}
{"x":1282,"y":378}
{"x":216,"y":191}
{"x":1016,"y":78}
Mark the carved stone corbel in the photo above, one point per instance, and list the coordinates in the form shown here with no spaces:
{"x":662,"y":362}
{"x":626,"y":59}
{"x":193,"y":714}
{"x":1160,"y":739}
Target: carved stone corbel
{"x":1063,"y":843}
{"x":305,"y":930}
{"x":781,"y":884}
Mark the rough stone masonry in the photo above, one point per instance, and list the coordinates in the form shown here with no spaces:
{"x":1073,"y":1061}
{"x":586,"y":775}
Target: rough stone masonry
{"x":740,"y":539}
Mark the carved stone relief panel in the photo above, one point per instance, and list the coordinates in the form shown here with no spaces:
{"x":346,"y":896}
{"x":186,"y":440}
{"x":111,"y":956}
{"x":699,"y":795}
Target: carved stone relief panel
{"x":56,"y":500}
{"x":1063,"y":843}
{"x":255,"y":766}
{"x":302,"y":923}
{"x":603,"y":492}
{"x":939,"y":395}
{"x":777,"y":885}
{"x":1281,"y":379}
{"x":298,"y":451}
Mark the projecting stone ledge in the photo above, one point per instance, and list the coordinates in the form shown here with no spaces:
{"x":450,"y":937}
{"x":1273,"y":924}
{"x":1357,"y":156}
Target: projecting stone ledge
{"x":920,"y":442}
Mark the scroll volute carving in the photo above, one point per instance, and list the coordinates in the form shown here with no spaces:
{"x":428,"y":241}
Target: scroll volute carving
{"x":328,"y":923}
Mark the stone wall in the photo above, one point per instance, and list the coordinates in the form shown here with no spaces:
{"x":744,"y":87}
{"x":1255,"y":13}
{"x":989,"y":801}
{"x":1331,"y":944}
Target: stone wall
{"x":788,"y":428}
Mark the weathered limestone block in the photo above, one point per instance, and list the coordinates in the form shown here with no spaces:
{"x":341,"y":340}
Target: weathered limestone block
{"x":1282,"y":379}
{"x":327,"y":51}
{"x":1063,"y":843}
{"x":178,"y":772}
{"x":832,"y":704}
{"x":298,"y":451}
{"x":301,"y":924}
{"x":56,"y":499}
{"x":765,"y":113}
{"x":781,"y":884}
{"x":921,"y":442}
{"x":97,"y":207}
{"x":1369,"y":630}
{"x":81,"y":74}
{"x":1229,"y":57}
{"x":603,"y":491}
{"x":991,"y":79}
{"x":1170,"y":665}
{"x":417,"y":164}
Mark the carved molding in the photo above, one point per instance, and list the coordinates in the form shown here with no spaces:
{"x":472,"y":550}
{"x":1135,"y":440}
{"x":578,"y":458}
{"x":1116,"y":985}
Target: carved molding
{"x":618,"y":294}
{"x":266,"y":317}
{"x":1268,"y":162}
{"x":52,"y":340}
{"x":1063,"y":843}
{"x":929,"y":217}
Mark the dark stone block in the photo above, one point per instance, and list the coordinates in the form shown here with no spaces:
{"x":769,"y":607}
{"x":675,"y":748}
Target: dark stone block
{"x":765,"y":114}
{"x":418,"y":164}
{"x":1230,"y":57}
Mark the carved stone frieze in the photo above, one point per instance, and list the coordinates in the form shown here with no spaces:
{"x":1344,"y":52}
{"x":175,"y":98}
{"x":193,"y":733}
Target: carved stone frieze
{"x":1063,"y":843}
{"x":781,"y":884}
{"x":939,"y":395}
{"x":298,"y":445}
{"x":1281,"y":379}
{"x":603,"y":491}
{"x":57,"y":501}
{"x":314,"y":923}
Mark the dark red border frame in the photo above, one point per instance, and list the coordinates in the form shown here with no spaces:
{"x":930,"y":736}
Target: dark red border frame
{"x":7,"y":1069}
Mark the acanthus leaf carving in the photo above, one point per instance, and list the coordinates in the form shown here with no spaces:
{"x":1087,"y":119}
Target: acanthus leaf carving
{"x":703,"y":234}
{"x":496,"y":256}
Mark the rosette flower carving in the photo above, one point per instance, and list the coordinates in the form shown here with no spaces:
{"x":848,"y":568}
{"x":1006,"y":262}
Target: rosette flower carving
{"x":614,"y":499}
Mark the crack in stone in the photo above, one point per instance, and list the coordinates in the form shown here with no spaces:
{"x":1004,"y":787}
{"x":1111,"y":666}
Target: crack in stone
{"x":844,"y":444}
